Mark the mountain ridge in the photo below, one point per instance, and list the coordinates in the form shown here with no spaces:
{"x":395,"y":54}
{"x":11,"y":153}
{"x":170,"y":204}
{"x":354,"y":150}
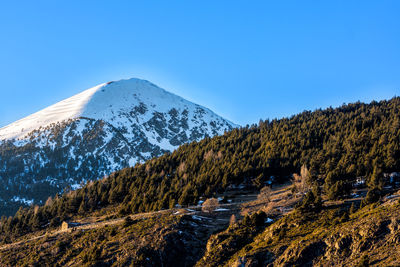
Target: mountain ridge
{"x":89,"y":103}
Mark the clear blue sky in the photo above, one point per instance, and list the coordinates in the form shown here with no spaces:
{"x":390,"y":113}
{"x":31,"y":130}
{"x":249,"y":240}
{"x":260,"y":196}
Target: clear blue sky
{"x":245,"y":60}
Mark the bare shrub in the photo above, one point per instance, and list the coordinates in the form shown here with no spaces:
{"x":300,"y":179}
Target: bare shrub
{"x":148,"y":168}
{"x":182,"y":167}
{"x":302,"y":182}
{"x":304,"y":173}
{"x":394,"y":225}
{"x":265,"y":194}
{"x":36,"y":209}
{"x":232,"y":220}
{"x":210,"y":205}
{"x":209,"y":155}
{"x":49,"y":201}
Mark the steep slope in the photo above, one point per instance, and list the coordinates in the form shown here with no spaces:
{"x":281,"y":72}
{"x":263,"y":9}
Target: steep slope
{"x":85,"y":137}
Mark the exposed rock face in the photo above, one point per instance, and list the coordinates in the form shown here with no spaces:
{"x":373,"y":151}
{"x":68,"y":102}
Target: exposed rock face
{"x":90,"y":135}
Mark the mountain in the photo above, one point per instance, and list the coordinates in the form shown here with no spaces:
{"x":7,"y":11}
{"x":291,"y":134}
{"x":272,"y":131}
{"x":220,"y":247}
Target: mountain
{"x":90,"y":135}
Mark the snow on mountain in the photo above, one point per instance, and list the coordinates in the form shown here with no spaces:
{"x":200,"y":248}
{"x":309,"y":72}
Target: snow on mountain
{"x":105,"y":128}
{"x":114,"y":103}
{"x":64,"y":110}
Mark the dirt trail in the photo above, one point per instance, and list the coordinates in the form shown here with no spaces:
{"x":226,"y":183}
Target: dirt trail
{"x":192,"y":210}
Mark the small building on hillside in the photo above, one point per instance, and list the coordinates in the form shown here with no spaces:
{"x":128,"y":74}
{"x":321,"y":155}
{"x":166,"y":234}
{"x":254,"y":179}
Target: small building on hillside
{"x":360,"y":182}
{"x":68,"y":226}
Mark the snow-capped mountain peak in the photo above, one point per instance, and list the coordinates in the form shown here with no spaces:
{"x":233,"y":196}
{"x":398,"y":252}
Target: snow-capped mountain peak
{"x":89,"y":135}
{"x":105,"y":102}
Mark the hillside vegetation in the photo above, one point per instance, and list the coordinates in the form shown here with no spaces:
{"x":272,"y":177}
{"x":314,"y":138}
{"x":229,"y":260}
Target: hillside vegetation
{"x":333,"y":237}
{"x":156,"y":241}
{"x":337,"y":145}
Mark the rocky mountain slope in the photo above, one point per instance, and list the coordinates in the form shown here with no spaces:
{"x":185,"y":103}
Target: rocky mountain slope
{"x":90,"y":135}
{"x":335,"y":236}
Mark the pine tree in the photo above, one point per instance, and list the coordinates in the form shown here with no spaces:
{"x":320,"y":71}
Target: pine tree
{"x":376,"y":179}
{"x":352,"y":208}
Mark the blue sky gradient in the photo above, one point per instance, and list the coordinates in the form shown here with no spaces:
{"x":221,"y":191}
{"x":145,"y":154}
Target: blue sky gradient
{"x":245,"y":60}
